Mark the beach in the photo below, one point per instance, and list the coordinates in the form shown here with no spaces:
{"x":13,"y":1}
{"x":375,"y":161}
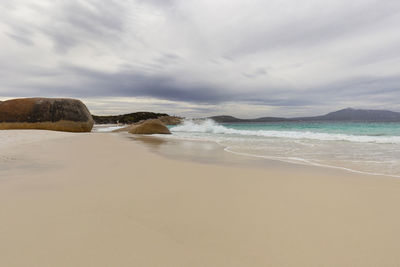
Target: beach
{"x":106,"y":199}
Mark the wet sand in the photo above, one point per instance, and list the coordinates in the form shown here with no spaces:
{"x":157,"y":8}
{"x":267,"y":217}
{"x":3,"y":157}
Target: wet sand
{"x":106,"y":200}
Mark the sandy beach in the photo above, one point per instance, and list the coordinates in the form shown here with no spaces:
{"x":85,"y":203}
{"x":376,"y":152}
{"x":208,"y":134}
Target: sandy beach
{"x":102,"y":199}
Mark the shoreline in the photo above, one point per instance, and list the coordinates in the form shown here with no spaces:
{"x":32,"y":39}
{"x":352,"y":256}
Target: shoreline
{"x":249,"y":160}
{"x":102,"y":199}
{"x":365,"y":149}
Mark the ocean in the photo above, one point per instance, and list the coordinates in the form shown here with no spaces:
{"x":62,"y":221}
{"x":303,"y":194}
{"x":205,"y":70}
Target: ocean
{"x":372,"y":148}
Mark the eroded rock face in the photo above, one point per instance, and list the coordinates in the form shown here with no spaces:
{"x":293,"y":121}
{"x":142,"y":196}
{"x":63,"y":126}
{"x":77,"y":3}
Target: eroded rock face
{"x":58,"y":114}
{"x":150,"y":127}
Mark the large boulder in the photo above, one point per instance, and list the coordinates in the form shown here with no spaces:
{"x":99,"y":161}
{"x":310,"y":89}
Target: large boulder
{"x":150,"y":127}
{"x":58,"y":114}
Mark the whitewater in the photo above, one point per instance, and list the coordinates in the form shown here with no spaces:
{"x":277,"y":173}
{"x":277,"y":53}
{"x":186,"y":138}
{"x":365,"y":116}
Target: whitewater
{"x":372,"y":148}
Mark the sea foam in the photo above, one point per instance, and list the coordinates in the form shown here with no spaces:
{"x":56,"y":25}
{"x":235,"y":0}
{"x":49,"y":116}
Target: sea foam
{"x":106,"y":128}
{"x":210,"y":126}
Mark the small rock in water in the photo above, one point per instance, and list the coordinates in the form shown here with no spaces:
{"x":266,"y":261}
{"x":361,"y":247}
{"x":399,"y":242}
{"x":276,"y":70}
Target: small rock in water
{"x":150,"y":127}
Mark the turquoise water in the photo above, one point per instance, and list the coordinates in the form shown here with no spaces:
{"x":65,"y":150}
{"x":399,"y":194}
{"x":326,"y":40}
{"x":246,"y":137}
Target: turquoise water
{"x":349,"y":128}
{"x":372,"y":148}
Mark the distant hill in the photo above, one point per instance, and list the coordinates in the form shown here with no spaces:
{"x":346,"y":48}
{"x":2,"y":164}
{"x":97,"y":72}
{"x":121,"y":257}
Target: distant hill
{"x":227,"y":119}
{"x":348,"y":114}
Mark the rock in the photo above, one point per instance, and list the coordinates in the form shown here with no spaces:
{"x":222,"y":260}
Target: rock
{"x":58,"y":114}
{"x":127,"y":118}
{"x":154,"y":126}
{"x":166,"y":120}
{"x":124,"y":129}
{"x":170,"y":120}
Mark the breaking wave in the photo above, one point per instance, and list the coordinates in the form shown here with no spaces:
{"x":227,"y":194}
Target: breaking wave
{"x":211,"y":127}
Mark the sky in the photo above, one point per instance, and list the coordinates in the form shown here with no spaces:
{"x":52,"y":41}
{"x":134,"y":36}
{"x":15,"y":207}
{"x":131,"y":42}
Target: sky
{"x":201,"y":58}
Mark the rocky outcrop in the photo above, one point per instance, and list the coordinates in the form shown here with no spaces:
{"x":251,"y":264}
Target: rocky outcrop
{"x":137,"y":117}
{"x":127,"y":118}
{"x":58,"y":114}
{"x":149,"y":127}
{"x":170,"y":120}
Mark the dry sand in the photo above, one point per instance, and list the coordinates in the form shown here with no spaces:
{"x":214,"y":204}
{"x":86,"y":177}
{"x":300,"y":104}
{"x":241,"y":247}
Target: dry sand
{"x":105,"y":200}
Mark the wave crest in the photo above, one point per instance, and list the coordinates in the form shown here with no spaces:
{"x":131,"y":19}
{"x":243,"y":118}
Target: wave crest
{"x":210,"y":126}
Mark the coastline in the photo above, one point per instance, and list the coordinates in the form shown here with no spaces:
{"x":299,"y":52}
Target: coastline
{"x":360,"y":148}
{"x":102,"y":199}
{"x":212,"y":152}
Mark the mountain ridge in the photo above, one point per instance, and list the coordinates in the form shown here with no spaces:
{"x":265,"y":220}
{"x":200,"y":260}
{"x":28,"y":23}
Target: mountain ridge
{"x":347,"y":114}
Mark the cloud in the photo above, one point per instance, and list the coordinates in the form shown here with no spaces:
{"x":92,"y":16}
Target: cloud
{"x":21,"y":39}
{"x":76,"y":22}
{"x":264,"y":57}
{"x":254,"y":74}
{"x":313,"y":25}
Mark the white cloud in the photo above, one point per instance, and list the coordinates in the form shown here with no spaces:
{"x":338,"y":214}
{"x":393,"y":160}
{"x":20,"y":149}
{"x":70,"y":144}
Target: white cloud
{"x":266,"y":57}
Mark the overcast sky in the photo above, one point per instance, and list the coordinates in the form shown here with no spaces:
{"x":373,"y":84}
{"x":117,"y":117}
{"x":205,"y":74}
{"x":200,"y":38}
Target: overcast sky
{"x":205,"y":57}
